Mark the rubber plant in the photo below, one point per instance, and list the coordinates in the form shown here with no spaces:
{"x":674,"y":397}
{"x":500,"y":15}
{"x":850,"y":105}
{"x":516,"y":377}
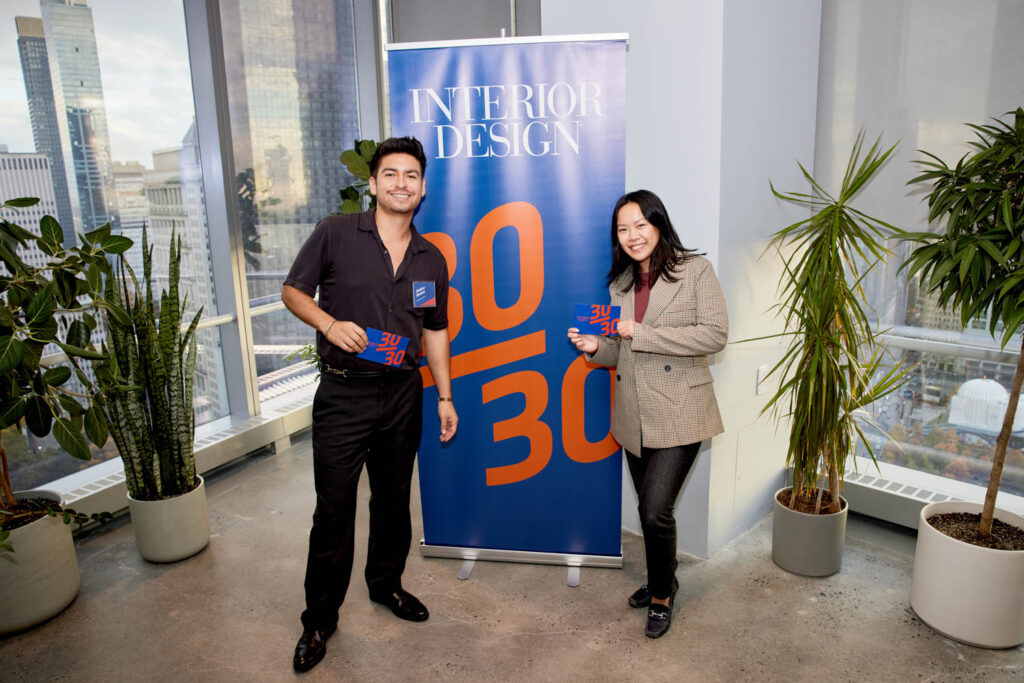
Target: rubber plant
{"x":834,"y":365}
{"x":357,"y":161}
{"x":145,"y":388}
{"x":976,"y":264}
{"x":51,"y":303}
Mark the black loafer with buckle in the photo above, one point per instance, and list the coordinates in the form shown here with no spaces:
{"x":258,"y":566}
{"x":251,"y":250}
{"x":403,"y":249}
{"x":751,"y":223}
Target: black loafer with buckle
{"x":659,"y":617}
{"x":310,"y":649}
{"x":403,"y":604}
{"x":641,"y":597}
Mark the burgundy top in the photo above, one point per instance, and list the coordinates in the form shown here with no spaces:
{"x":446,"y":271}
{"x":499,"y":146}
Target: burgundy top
{"x":642,"y":296}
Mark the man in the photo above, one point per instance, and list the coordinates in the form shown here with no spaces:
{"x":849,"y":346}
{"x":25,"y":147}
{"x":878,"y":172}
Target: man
{"x":373,"y":270}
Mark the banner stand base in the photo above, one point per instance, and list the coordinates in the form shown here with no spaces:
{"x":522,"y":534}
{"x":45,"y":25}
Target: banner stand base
{"x":497,"y":555}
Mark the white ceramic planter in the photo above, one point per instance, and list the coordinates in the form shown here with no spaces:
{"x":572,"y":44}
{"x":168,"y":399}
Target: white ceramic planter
{"x":172,"y":529}
{"x":971,"y":594}
{"x":40,"y":578}
{"x":809,"y":545}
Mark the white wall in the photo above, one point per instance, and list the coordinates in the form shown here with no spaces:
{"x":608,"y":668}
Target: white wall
{"x":721,"y":95}
{"x":769,"y":104}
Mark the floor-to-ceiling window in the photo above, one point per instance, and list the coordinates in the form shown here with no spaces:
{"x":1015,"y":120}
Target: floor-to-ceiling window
{"x":291,"y":82}
{"x":915,"y":71}
{"x":102,"y":91}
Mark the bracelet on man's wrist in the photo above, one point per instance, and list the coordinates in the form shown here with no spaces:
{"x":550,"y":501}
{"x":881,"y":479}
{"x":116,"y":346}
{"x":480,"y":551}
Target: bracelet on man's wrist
{"x":445,"y":398}
{"x":329,"y":326}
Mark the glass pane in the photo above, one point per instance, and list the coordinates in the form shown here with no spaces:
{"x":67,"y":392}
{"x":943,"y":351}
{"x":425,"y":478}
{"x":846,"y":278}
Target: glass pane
{"x":946,"y":418}
{"x":279,"y":374}
{"x":291,"y":76}
{"x":917,"y":70}
{"x":98,"y":121}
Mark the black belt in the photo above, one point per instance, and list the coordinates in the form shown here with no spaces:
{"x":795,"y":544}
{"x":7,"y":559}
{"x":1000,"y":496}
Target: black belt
{"x":343,"y":372}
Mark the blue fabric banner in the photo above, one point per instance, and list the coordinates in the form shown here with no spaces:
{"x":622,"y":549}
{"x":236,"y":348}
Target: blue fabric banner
{"x":525,"y":147}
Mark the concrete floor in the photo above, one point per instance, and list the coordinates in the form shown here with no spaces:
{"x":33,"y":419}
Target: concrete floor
{"x":231,"y":612}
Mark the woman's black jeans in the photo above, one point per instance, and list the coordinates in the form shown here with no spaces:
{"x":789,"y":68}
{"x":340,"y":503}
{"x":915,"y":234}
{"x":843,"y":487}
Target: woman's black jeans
{"x":658,"y":475}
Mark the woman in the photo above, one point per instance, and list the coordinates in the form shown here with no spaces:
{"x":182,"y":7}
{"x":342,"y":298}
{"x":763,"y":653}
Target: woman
{"x":673,"y":317}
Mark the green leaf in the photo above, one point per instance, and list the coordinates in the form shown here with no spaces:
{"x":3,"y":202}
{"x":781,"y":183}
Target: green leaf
{"x":355,"y":164}
{"x":94,"y":275}
{"x":11,"y":411}
{"x":41,"y":306}
{"x":22,"y":202}
{"x":4,"y":545}
{"x":351,"y":206}
{"x":50,"y":231}
{"x":38,"y":416}
{"x":96,"y":427}
{"x":78,"y":334}
{"x":19,"y":233}
{"x":70,"y":439}
{"x":99,"y":234}
{"x":6,"y":319}
{"x":11,"y":351}
{"x":77,"y":351}
{"x":117,"y":244}
{"x":367,"y":149}
{"x":45,"y":330}
{"x":57,"y":375}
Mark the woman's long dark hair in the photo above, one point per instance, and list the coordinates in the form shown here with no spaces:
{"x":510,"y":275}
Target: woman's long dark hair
{"x":667,"y":255}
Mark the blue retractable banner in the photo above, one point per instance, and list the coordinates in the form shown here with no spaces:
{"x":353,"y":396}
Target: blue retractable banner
{"x":525,"y":146}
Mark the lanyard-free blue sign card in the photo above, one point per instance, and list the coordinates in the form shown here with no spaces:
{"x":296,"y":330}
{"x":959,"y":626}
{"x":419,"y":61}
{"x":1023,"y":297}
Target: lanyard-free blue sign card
{"x":384,"y":347}
{"x":597,"y":319}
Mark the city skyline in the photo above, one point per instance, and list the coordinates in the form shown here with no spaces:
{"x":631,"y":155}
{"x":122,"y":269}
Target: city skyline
{"x":146,"y":80}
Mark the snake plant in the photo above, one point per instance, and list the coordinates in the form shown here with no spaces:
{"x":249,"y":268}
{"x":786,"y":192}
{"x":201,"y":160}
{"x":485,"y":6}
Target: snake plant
{"x":146,"y":387}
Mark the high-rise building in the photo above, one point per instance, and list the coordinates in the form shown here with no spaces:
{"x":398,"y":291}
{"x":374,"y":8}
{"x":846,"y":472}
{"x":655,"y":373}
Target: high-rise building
{"x":133,"y":207}
{"x":294,"y":109}
{"x":173,"y":191}
{"x":80,"y":111}
{"x":35,"y":68}
{"x":28,"y":175}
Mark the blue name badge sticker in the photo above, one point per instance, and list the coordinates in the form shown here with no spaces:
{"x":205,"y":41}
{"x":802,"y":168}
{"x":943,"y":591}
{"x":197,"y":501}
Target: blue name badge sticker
{"x":384,"y":347}
{"x":423,"y":295}
{"x":597,"y":319}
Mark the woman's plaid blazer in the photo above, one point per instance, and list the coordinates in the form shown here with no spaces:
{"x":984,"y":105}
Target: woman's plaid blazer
{"x":663,"y":391}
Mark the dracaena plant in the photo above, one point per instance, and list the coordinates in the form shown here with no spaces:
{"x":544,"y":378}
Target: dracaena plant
{"x":145,"y":387}
{"x":51,"y":303}
{"x":974,"y":263}
{"x":834,"y":365}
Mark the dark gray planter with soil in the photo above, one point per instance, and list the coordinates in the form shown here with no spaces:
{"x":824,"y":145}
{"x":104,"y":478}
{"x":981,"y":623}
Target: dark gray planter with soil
{"x":807,"y":544}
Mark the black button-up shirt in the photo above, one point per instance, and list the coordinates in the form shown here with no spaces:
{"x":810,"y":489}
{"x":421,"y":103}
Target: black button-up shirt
{"x":346,"y":258}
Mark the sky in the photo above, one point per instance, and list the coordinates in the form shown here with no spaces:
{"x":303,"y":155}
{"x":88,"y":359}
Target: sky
{"x":144,"y":67}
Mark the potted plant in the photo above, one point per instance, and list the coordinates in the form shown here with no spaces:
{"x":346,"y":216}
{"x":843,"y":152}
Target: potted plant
{"x":357,"y":161}
{"x":833,"y":366}
{"x":145,"y":392}
{"x":969,"y":585}
{"x":41,"y":304}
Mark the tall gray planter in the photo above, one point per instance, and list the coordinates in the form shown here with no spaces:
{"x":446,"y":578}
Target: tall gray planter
{"x":809,"y":545}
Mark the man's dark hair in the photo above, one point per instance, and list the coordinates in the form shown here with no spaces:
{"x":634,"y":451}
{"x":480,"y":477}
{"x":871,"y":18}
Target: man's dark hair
{"x":408,"y":145}
{"x":667,"y":255}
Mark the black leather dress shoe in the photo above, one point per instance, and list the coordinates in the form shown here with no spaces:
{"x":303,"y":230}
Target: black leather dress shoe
{"x":403,"y":604}
{"x":310,"y":649}
{"x":641,"y":597}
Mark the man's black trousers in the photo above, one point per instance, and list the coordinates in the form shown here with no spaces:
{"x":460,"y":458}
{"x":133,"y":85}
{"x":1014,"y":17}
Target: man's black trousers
{"x":371,"y":420}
